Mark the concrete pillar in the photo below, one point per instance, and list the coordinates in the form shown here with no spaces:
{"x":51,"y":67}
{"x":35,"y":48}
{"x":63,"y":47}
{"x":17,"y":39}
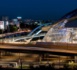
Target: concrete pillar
{"x":40,"y":58}
{"x":75,"y":58}
{"x":0,"y":54}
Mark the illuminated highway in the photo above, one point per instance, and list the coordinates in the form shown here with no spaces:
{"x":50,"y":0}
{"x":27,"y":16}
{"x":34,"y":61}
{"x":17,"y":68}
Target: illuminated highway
{"x":60,"y":40}
{"x":36,"y":50}
{"x":22,"y":36}
{"x":71,"y":49}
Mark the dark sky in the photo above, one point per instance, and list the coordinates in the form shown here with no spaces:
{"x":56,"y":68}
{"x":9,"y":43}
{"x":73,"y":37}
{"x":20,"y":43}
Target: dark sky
{"x":37,"y":9}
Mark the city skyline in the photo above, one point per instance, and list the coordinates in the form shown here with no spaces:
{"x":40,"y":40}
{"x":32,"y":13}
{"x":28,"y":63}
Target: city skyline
{"x":37,"y":9}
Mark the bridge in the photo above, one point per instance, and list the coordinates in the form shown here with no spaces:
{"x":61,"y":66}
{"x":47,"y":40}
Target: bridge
{"x":13,"y":37}
{"x":47,"y":46}
{"x":41,"y":48}
{"x":25,"y":39}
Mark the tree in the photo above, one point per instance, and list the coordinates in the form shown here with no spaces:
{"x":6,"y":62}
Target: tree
{"x":22,"y":25}
{"x":1,"y":31}
{"x":13,"y":28}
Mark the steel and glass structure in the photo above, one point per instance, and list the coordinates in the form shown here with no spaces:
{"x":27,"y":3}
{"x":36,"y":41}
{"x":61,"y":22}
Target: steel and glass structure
{"x":64,"y":30}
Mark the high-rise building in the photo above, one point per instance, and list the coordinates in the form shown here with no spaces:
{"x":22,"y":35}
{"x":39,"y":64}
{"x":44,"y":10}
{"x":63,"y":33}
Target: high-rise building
{"x":6,"y":21}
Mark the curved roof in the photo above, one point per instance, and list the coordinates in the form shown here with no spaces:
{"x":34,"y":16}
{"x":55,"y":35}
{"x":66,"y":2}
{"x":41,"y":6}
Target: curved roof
{"x":63,"y":31}
{"x":72,"y":23}
{"x":70,"y":14}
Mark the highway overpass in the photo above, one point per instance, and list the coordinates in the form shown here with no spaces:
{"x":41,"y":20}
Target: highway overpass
{"x":42,"y":48}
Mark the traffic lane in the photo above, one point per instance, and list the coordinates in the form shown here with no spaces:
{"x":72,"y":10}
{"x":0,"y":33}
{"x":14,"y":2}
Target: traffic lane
{"x":38,"y":50}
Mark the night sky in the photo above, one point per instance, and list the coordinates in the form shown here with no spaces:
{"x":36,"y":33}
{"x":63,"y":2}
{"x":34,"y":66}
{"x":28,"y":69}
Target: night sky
{"x":37,"y":9}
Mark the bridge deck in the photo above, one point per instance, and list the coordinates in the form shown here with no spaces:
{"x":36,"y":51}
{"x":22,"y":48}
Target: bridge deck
{"x":46,"y":47}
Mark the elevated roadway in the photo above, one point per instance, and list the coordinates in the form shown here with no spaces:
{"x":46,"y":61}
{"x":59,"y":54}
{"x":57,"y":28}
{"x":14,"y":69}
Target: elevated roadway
{"x":41,"y":48}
